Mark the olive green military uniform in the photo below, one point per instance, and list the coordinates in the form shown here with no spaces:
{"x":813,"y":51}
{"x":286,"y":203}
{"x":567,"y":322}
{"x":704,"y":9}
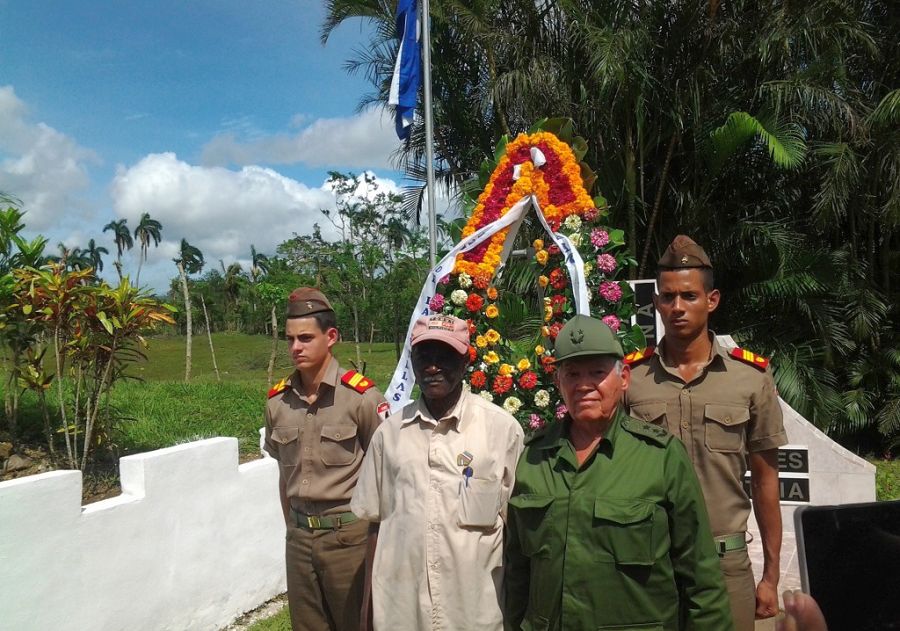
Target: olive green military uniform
{"x":320,"y":448}
{"x":621,"y":542}
{"x":727,"y":411}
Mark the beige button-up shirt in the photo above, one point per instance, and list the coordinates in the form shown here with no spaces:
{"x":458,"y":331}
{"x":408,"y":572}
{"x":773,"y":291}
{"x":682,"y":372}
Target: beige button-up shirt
{"x":727,"y":411}
{"x":320,"y":446}
{"x":438,"y":563}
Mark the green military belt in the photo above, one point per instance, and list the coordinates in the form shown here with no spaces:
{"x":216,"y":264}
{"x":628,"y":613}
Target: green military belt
{"x":729,"y":543}
{"x":313,"y":522}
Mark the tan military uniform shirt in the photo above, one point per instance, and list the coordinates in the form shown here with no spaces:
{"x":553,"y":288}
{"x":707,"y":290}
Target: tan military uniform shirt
{"x":730,"y":409}
{"x":439,"y":560}
{"x":320,"y":446}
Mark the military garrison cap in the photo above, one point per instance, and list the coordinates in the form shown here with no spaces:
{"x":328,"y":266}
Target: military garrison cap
{"x":583,"y":335}
{"x":684,"y":252}
{"x":305,"y":301}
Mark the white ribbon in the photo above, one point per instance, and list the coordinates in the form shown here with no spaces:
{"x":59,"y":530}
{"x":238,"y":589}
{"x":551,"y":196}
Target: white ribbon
{"x":400,"y":388}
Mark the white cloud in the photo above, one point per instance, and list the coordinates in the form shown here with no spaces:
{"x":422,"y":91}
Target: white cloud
{"x":41,"y":166}
{"x":363,"y":141}
{"x":218,"y":210}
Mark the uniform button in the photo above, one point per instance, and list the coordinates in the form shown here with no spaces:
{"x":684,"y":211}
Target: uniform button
{"x":305,"y":481}
{"x":727,"y":419}
{"x":686,"y":425}
{"x":307,"y":449}
{"x":337,"y":435}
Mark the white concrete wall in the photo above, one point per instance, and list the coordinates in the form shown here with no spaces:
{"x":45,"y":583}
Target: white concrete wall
{"x":193,"y":541}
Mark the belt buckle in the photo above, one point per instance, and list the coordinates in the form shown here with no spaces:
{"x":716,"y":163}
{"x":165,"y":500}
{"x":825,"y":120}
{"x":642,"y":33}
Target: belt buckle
{"x":721,"y":547}
{"x":313,"y":521}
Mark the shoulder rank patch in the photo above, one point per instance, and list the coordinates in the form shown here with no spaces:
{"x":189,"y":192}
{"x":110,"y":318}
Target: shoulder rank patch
{"x":280,"y":387}
{"x":637,"y":357}
{"x":357,"y":381}
{"x":757,"y":361}
{"x":655,"y":433}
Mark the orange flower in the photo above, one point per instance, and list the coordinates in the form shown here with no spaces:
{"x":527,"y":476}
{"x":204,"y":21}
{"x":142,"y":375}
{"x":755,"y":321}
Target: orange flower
{"x":543,"y":281}
{"x":492,"y":293}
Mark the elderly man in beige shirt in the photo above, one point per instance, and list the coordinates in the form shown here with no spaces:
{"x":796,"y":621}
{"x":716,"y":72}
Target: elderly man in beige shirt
{"x":434,"y":485}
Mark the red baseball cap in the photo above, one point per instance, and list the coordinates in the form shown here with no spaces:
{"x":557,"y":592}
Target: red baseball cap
{"x":442,"y":328}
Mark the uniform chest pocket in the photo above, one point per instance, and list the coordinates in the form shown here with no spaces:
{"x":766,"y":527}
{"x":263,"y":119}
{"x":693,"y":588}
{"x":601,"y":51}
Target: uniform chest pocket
{"x":338,"y":444}
{"x":650,"y":412}
{"x":624,"y":529}
{"x":725,"y":426}
{"x":479,"y":503}
{"x":532,"y":514}
{"x":288,"y":441}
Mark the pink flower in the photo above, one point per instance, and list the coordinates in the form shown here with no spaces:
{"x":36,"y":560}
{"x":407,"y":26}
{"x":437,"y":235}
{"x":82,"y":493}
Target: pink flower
{"x":599,"y":237}
{"x":561,"y":411}
{"x":590,"y":215}
{"x":444,"y":279}
{"x":436,"y":303}
{"x":536,"y":422}
{"x":606,"y":263}
{"x":612,"y":322}
{"x":610,"y":291}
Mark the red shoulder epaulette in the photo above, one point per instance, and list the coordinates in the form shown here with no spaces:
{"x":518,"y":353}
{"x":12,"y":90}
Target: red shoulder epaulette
{"x":637,"y":357}
{"x":280,"y":387}
{"x":357,"y":381}
{"x":757,"y":361}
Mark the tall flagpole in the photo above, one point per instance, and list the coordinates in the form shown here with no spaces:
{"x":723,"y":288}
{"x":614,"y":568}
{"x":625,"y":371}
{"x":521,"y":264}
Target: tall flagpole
{"x":429,"y":133}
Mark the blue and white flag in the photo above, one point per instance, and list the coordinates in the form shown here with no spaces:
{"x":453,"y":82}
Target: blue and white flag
{"x":408,"y":69}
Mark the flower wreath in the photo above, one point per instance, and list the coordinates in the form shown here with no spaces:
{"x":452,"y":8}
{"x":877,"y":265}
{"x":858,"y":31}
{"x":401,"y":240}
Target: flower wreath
{"x":514,"y":374}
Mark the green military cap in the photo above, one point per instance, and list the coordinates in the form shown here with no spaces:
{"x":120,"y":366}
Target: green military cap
{"x":583,"y":335}
{"x":305,"y":301}
{"x":684,"y":252}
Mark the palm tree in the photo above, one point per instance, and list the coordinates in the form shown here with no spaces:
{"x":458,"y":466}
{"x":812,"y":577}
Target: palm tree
{"x":259,"y":264}
{"x":189,"y":261}
{"x":147,"y":230}
{"x":122,"y":238}
{"x":95,"y":254}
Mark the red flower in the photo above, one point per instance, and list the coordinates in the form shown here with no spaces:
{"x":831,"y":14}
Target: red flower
{"x":474,"y":302}
{"x":528,"y":380}
{"x":558,"y":279}
{"x":478,"y":379}
{"x":502,"y":384}
{"x":547,"y":363}
{"x":473,"y":354}
{"x":471,"y":326}
{"x":559,"y":304}
{"x":553,"y":249}
{"x":481,"y":281}
{"x":555,"y":329}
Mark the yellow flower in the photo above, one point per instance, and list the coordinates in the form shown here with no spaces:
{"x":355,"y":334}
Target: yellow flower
{"x":492,"y":336}
{"x":538,"y":350}
{"x":506,"y":370}
{"x":492,"y":311}
{"x":543,"y":281}
{"x":547,"y":300}
{"x":541,"y":257}
{"x":548,"y":314}
{"x":480,"y":342}
{"x":538,"y":244}
{"x":491,"y":357}
{"x":545,"y":331}
{"x":523,"y":364}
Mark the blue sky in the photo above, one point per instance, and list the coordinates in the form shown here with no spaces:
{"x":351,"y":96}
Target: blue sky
{"x":220,"y":118}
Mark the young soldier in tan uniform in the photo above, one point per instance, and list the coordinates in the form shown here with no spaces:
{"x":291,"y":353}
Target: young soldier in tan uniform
{"x":723,"y":406}
{"x":319,"y":421}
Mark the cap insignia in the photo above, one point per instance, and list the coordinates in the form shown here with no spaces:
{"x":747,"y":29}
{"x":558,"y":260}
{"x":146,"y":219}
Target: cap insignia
{"x":577,"y":336}
{"x":684,"y":260}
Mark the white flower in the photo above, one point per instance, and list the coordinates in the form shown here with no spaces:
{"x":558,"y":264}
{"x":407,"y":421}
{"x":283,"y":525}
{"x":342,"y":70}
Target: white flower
{"x":572,"y":222}
{"x":512,"y":405}
{"x":465,"y":281}
{"x":542,"y":398}
{"x":458,"y":297}
{"x":575,"y":238}
{"x":487,"y":396}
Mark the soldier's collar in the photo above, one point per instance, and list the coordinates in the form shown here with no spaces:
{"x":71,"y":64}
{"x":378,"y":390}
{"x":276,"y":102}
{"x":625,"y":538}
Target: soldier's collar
{"x":558,"y":434}
{"x":330,"y":378}
{"x":716,"y":350}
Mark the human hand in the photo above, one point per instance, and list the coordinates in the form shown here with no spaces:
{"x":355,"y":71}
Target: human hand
{"x":801,"y":613}
{"x":766,"y":599}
